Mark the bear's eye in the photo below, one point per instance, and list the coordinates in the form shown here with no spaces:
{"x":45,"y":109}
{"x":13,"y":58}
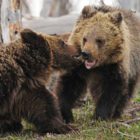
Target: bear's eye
{"x":84,"y":40}
{"x":100,"y":42}
{"x":62,"y":43}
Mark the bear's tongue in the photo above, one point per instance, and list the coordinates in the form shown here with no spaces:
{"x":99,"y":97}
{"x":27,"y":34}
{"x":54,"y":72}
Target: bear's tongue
{"x":89,"y":65}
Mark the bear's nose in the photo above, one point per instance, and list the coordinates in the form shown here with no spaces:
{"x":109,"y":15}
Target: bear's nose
{"x":85,"y":55}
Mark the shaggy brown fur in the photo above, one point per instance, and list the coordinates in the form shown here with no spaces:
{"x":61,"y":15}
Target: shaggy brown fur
{"x":109,"y":43}
{"x":62,"y":53}
{"x":25,"y":66}
{"x":86,"y":18}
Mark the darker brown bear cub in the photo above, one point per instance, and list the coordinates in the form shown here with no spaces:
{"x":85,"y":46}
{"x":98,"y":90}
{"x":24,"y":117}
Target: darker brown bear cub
{"x":25,"y":66}
{"x":110,"y":47}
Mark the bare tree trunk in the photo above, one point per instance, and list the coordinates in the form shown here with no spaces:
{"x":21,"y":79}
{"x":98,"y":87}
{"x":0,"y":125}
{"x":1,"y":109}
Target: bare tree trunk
{"x":0,"y":26}
{"x":10,"y":20}
{"x":59,"y":8}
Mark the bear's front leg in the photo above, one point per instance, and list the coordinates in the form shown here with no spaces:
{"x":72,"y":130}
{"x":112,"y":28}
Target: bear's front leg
{"x":113,"y":90}
{"x":72,"y":86}
{"x":126,"y":97}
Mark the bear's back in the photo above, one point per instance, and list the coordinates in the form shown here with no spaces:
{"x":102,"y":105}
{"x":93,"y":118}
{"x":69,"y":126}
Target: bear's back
{"x":10,"y":72}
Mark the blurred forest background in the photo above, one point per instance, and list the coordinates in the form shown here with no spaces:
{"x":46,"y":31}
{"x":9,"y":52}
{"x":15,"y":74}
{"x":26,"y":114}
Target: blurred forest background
{"x":59,"y":16}
{"x":48,"y":16}
{"x":54,"y":8}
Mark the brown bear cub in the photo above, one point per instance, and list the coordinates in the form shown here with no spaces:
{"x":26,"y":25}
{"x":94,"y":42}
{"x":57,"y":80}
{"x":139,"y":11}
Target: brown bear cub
{"x":109,"y":44}
{"x":25,"y":66}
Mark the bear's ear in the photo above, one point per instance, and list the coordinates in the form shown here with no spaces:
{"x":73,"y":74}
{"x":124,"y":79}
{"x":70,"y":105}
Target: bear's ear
{"x":32,"y":38}
{"x":88,"y":11}
{"x":116,"y":17}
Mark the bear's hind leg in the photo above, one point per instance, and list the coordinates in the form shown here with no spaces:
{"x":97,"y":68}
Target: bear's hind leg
{"x":125,"y":98}
{"x":43,"y":111}
{"x":120,"y":107}
{"x":9,"y":126}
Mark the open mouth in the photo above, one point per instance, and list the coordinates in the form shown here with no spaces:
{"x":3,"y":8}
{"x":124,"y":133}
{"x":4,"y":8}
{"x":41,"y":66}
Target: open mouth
{"x":90,"y":64}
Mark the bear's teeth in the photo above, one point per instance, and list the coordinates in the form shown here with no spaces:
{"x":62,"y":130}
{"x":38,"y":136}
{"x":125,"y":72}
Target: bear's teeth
{"x":89,"y":65}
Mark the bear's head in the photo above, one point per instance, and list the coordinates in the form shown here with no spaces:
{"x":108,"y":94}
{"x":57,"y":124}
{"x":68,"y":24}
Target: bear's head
{"x":103,"y":40}
{"x":63,"y":54}
{"x":50,"y":49}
